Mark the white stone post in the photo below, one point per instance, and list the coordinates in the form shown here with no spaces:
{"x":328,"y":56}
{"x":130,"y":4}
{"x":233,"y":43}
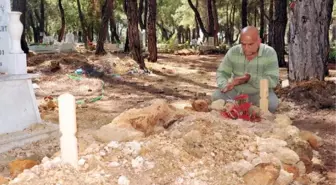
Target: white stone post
{"x":264,"y":95}
{"x":68,"y":128}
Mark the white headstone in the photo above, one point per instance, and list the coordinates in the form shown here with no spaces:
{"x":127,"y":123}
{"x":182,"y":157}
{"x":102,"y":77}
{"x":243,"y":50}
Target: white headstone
{"x":211,"y":41}
{"x":69,"y":38}
{"x":4,"y":35}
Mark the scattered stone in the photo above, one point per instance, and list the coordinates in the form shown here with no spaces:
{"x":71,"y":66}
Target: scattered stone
{"x":123,"y":180}
{"x":314,"y":141}
{"x":270,"y":144}
{"x":304,"y":180}
{"x":193,"y":137}
{"x":301,"y":167}
{"x":200,"y":106}
{"x":284,"y":178}
{"x":3,"y":180}
{"x":287,"y":155}
{"x":291,"y":169}
{"x":283,"y":120}
{"x":218,"y":105}
{"x":18,"y":166}
{"x":112,"y":132}
{"x":331,"y":175}
{"x":262,"y":174}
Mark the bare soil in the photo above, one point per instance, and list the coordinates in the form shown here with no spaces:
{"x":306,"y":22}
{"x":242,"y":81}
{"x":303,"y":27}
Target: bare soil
{"x":173,"y":77}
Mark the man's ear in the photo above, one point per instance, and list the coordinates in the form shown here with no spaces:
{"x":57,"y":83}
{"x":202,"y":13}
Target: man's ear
{"x":259,"y":40}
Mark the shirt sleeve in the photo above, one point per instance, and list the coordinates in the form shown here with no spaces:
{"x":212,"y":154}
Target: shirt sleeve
{"x":224,"y":71}
{"x":271,"y":72}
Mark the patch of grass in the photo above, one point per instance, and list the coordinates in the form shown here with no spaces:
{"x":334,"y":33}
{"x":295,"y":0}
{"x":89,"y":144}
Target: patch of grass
{"x":332,"y":55}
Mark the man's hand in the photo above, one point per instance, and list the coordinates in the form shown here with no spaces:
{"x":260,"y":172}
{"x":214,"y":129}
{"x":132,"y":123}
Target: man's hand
{"x":242,"y":79}
{"x":228,"y":87}
{"x":236,"y":81}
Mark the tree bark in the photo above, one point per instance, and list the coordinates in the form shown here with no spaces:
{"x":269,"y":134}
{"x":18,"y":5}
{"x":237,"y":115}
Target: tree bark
{"x":211,"y":18}
{"x":279,"y":30}
{"x":32,"y":24}
{"x":262,"y":19}
{"x":133,"y":33}
{"x":271,"y":24}
{"x":113,"y":29}
{"x":244,"y":13}
{"x":151,"y":30}
{"x":196,"y":23}
{"x":216,"y":24}
{"x":42,"y":18}
{"x":106,"y":16}
{"x":309,"y":39}
{"x":61,"y":33}
{"x":82,"y":20}
{"x":21,"y":6}
{"x":199,"y":20}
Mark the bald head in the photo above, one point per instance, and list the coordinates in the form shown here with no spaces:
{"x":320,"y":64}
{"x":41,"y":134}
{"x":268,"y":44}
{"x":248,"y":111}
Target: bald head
{"x":250,"y":32}
{"x":250,"y":41}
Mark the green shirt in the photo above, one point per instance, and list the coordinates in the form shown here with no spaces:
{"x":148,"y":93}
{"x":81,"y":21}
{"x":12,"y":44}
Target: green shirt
{"x":263,"y":66}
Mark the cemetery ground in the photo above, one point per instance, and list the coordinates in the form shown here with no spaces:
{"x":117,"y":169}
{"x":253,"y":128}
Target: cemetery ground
{"x":110,"y":85}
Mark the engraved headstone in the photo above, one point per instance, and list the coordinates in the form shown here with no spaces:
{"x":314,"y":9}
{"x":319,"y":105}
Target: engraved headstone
{"x":4,"y":35}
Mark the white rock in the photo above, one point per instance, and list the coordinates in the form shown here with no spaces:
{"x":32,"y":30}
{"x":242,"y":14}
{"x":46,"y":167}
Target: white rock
{"x":81,"y":162}
{"x":283,"y":120}
{"x":132,"y":148}
{"x":266,"y":158}
{"x":45,"y":159}
{"x":102,"y":153}
{"x":137,"y":162}
{"x":114,"y":164}
{"x":284,"y":133}
{"x":249,"y":156}
{"x":122,"y":180}
{"x":301,"y":166}
{"x":241,"y":167}
{"x":149,"y":165}
{"x":218,"y":105}
{"x":284,"y":178}
{"x":287,"y":155}
{"x":270,"y":144}
{"x":179,"y":180}
{"x":114,"y":144}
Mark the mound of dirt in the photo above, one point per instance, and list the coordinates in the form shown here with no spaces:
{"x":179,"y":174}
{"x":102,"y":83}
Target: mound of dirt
{"x":313,"y":94}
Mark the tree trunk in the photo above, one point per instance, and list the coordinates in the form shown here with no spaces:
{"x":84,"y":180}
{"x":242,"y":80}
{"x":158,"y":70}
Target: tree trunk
{"x":35,"y":29}
{"x":211,"y":18}
{"x":309,"y":39}
{"x":199,"y":20}
{"x":82,"y":20}
{"x":196,"y":23}
{"x":106,"y":16}
{"x":61,"y":33}
{"x":127,"y":48}
{"x":21,"y":6}
{"x":113,"y":29}
{"x":271,"y":24}
{"x":133,"y":33}
{"x":244,"y":13}
{"x":262,"y":18}
{"x":42,"y":18}
{"x":279,"y":32}
{"x":216,"y":24}
{"x":151,"y":30}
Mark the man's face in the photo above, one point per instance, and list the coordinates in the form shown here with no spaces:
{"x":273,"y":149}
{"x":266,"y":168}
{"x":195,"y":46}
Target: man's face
{"x":250,"y":45}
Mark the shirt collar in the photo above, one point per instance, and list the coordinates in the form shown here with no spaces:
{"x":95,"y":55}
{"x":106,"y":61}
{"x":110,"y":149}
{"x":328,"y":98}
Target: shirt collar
{"x":261,"y":49}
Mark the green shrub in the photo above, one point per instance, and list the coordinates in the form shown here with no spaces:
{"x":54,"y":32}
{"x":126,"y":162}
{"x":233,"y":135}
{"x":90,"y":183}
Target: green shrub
{"x":332,"y":55}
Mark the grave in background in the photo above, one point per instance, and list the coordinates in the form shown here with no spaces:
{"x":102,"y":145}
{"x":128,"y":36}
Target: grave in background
{"x":20,"y":120}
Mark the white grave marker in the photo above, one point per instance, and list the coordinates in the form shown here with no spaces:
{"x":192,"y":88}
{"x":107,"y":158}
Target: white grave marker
{"x":4,"y":36}
{"x":68,"y":128}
